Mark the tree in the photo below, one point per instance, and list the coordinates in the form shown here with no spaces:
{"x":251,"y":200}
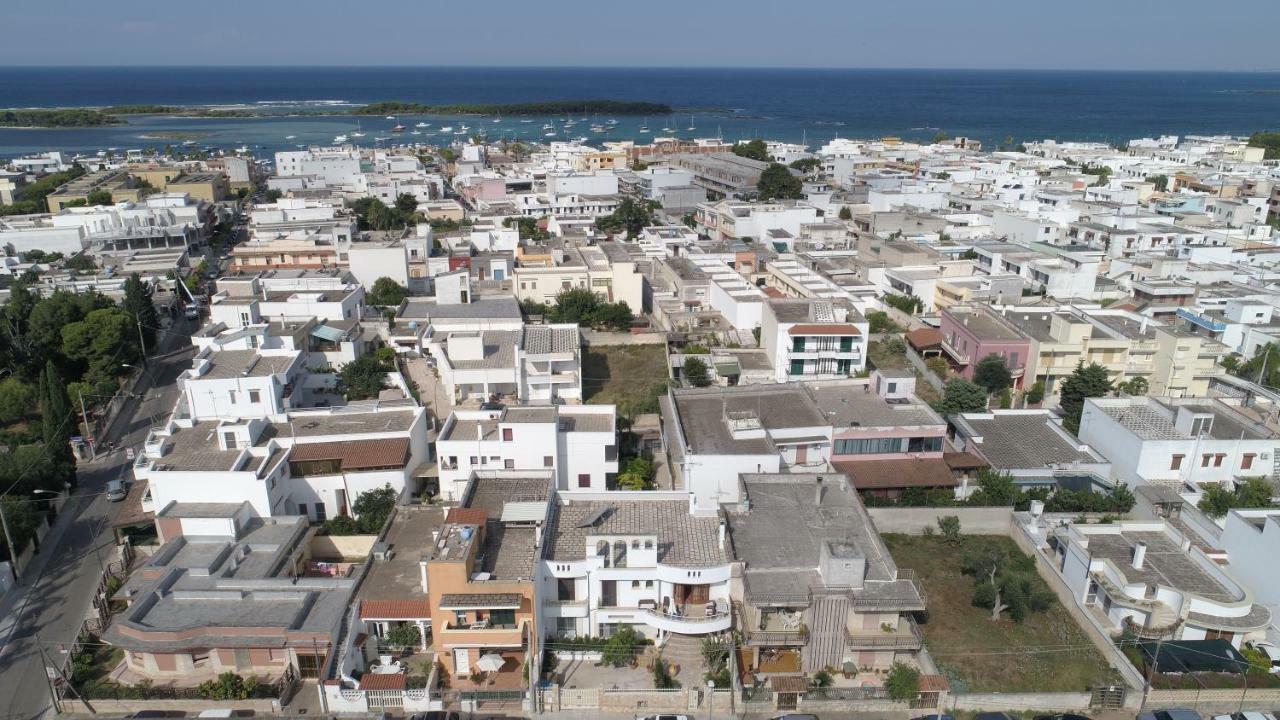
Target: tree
{"x":583,"y":306}
{"x":630,"y":217}
{"x":80,"y":263}
{"x":23,"y":521}
{"x":969,"y":254}
{"x":17,"y":398}
{"x":845,"y":213}
{"x":102,"y":341}
{"x":373,"y":507}
{"x":806,"y":165}
{"x":903,"y":682}
{"x":1085,"y":382}
{"x":1036,"y":394}
{"x":1270,"y":141}
{"x":1005,"y":581}
{"x":909,"y":304}
{"x":137,"y":302}
{"x":406,"y":203}
{"x":696,"y":373}
{"x":363,"y":378}
{"x":405,"y":635}
{"x":1135,"y":386}
{"x":620,"y":648}
{"x":878,"y":321}
{"x":992,"y":374}
{"x":1216,"y":500}
{"x":940,"y":137}
{"x":637,"y":474}
{"x":228,"y":686}
{"x":528,"y":228}
{"x":57,"y":423}
{"x":961,"y":396}
{"x":753,"y":149}
{"x":1253,"y":492}
{"x":273,"y":195}
{"x":1161,"y":182}
{"x":995,"y":489}
{"x":98,"y":197}
{"x":387,"y":293}
{"x":777,"y":183}
{"x":949,"y":527}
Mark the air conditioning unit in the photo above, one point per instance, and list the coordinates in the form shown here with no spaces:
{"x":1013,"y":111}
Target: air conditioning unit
{"x":383,"y":551}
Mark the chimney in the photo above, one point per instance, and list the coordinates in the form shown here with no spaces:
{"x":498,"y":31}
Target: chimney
{"x":693,"y":503}
{"x":1139,"y":554}
{"x":817,"y":491}
{"x":1143,"y":328}
{"x":722,"y":526}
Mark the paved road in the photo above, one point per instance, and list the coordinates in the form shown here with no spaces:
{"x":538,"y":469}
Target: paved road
{"x":56,"y":591}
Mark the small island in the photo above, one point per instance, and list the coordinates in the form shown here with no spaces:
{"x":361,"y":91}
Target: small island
{"x":555,"y":107}
{"x":65,"y":118}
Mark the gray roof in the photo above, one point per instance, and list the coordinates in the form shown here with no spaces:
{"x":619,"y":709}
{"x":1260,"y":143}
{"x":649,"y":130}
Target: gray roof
{"x":459,"y":601}
{"x":509,"y":550}
{"x":543,"y":339}
{"x":848,"y":405}
{"x":1022,"y":440}
{"x":702,"y":416}
{"x":499,"y":351}
{"x":245,"y":363}
{"x":1166,"y":564}
{"x":410,"y":536}
{"x":485,"y":307}
{"x":683,"y":540}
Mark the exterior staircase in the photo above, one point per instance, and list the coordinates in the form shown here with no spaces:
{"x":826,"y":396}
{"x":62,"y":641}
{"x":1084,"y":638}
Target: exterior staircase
{"x":827,"y":621}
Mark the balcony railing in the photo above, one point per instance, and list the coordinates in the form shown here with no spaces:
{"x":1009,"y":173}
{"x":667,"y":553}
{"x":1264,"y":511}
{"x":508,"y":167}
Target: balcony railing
{"x":912,"y":639}
{"x":775,"y":638}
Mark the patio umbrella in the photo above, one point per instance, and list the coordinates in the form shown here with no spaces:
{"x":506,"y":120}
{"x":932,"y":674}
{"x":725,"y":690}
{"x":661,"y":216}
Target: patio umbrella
{"x":492,"y":662}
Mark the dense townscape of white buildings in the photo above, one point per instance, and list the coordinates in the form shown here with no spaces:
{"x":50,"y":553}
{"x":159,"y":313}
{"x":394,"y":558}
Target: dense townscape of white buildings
{"x":806,"y":345}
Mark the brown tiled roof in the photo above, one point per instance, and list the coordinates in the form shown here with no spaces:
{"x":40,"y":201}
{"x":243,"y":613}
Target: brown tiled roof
{"x":886,"y":474}
{"x":788,"y":683}
{"x":467,"y":516}
{"x":824,"y":329}
{"x":356,"y":454}
{"x":377,"y":681}
{"x":924,"y":338}
{"x":773,"y":292}
{"x":963,"y":461}
{"x":934,"y":683}
{"x":395,"y":609}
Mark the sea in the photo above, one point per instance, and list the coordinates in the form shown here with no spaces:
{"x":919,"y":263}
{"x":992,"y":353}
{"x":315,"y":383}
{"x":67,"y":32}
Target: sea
{"x":307,"y":106}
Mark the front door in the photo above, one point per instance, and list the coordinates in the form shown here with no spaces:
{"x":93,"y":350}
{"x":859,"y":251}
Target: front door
{"x":243,"y":661}
{"x":802,"y":452}
{"x":461,"y":661}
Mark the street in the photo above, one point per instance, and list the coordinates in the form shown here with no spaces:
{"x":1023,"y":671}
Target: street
{"x":56,"y":591}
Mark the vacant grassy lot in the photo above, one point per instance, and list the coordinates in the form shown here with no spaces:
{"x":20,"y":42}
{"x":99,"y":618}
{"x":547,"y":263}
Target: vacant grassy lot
{"x":631,"y":376}
{"x":879,"y":358}
{"x":1047,"y":652}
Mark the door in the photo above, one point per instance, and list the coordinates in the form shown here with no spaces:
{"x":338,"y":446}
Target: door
{"x":461,"y":661}
{"x":802,"y":454}
{"x":243,"y":662}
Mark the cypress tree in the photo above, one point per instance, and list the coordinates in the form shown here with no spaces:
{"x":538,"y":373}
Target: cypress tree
{"x":138,"y":303}
{"x":58,"y":424}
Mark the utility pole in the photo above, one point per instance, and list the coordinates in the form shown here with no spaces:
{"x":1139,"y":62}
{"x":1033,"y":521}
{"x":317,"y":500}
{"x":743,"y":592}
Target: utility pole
{"x":88,"y":431}
{"x":142,"y":342}
{"x":8,"y":542}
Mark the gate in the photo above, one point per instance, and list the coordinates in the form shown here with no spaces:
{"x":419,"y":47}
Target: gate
{"x":1107,"y":697}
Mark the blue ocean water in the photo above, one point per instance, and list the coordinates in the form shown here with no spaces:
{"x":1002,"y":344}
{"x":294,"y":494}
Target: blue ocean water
{"x":813,"y":105}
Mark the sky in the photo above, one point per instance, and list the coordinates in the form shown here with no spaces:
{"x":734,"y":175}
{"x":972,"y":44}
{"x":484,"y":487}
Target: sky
{"x":995,"y":34}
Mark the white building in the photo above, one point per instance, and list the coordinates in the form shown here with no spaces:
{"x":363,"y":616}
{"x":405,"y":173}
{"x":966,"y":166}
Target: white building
{"x":813,"y":339}
{"x":578,"y":442}
{"x":539,"y":363}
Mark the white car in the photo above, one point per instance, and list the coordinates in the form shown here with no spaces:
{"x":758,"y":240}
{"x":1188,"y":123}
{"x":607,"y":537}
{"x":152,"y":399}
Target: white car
{"x":662,"y":717}
{"x":1246,"y":716}
{"x":116,"y":490}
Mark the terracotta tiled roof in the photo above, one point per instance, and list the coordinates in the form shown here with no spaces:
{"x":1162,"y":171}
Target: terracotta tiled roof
{"x":963,"y":461}
{"x":934,"y":683}
{"x":924,"y":338}
{"x":467,"y":516}
{"x":376,"y":681}
{"x":773,"y":292}
{"x":356,"y":454}
{"x":907,"y":472}
{"x":395,"y":609}
{"x":824,"y":329}
{"x":788,"y":683}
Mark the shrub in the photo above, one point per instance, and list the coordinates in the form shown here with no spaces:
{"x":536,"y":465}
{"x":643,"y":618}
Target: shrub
{"x":405,"y":635}
{"x":903,"y":682}
{"x":228,"y":686}
{"x":662,"y":677}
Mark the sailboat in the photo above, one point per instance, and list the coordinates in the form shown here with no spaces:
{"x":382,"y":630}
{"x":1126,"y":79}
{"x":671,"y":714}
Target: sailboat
{"x":644,"y":127}
{"x":691,"y":126}
{"x":357,"y":133}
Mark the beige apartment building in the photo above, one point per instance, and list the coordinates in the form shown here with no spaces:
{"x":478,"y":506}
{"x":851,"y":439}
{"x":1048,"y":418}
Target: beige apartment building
{"x":608,"y":269}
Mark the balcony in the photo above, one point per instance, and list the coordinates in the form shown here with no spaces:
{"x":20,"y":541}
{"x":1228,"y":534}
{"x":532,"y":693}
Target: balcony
{"x":480,"y":635}
{"x":906,"y":636}
{"x":686,"y":624}
{"x":777,"y":638}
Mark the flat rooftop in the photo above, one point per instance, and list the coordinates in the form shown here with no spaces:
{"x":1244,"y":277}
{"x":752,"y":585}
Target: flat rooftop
{"x":227,"y":364}
{"x":682,"y":539}
{"x":847,"y":405}
{"x":703,"y":414}
{"x":484,"y":307}
{"x":1022,"y":440}
{"x":1166,"y":564}
{"x":411,"y":535}
{"x":1152,"y":419}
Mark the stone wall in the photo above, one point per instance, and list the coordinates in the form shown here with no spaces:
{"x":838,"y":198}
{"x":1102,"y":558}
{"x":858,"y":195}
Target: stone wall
{"x":1059,"y":701}
{"x":191,"y":707}
{"x":913,"y":521}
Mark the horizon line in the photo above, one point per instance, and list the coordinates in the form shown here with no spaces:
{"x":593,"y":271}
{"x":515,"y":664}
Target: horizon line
{"x":787,"y":68}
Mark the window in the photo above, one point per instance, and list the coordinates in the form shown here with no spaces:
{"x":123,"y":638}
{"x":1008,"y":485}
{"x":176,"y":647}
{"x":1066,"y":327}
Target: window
{"x":797,"y":344}
{"x":231,"y":394}
{"x":924,"y":444}
{"x":868,"y":446}
{"x":635,"y":584}
{"x":255,"y":396}
{"x":584,"y":480}
{"x":320,"y":516}
{"x":460,"y":618}
{"x":1217,"y":459}
{"x":566,"y":590}
{"x":506,"y":434}
{"x":547,"y":461}
{"x":502,"y":618}
{"x":893,"y":387}
{"x":566,"y":626}
{"x":797,"y":367}
{"x":509,"y":464}
{"x":1204,"y":459}
{"x":1247,"y":461}
{"x":1176,"y":463}
{"x":475,"y":460}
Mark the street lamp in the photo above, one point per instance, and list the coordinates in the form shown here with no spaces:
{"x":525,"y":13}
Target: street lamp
{"x":711,"y":699}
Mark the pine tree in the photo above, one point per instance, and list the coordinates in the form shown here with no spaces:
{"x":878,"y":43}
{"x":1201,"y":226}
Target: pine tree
{"x":137,"y":301}
{"x":58,"y":424}
{"x":1085,"y":382}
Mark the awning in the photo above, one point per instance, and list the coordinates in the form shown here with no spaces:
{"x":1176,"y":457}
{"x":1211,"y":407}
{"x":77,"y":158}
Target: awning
{"x":808,"y":440}
{"x":480,"y":601}
{"x":491,"y":662}
{"x":728,"y":368}
{"x":324,"y":332}
{"x":524,"y":511}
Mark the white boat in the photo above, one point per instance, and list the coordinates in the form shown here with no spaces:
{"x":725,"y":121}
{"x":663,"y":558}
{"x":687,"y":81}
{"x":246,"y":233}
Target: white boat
{"x":358,"y":132}
{"x":527,"y":120}
{"x":391,"y":117}
{"x":498,"y":119}
{"x":691,"y":126}
{"x":548,"y":126}
{"x":423,"y":124}
{"x":290,"y":137}
{"x":610,"y":121}
{"x":447,"y":128}
{"x":460,"y":132}
{"x":416,"y":132}
{"x":339,"y":139}
{"x":549,"y":134}
{"x":464,"y":126}
{"x":242,"y":149}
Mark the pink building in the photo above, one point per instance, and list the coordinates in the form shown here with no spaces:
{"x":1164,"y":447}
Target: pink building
{"x":972,"y":332}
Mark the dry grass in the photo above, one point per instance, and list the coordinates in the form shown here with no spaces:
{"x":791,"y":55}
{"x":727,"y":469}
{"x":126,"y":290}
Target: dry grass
{"x":630,"y":376}
{"x":1047,"y":652}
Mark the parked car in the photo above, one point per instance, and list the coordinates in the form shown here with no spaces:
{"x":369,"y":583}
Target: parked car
{"x":1247,"y":715}
{"x":795,"y":716}
{"x":662,"y":717}
{"x":935,"y":716}
{"x":1271,"y":651}
{"x":154,"y":714}
{"x":437,"y":715}
{"x":994,"y":716}
{"x":116,"y":491}
{"x":1170,"y":714}
{"x":1060,"y":716}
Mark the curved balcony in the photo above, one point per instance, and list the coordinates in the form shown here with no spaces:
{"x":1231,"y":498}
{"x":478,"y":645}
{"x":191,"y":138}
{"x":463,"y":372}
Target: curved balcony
{"x":686,"y":624}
